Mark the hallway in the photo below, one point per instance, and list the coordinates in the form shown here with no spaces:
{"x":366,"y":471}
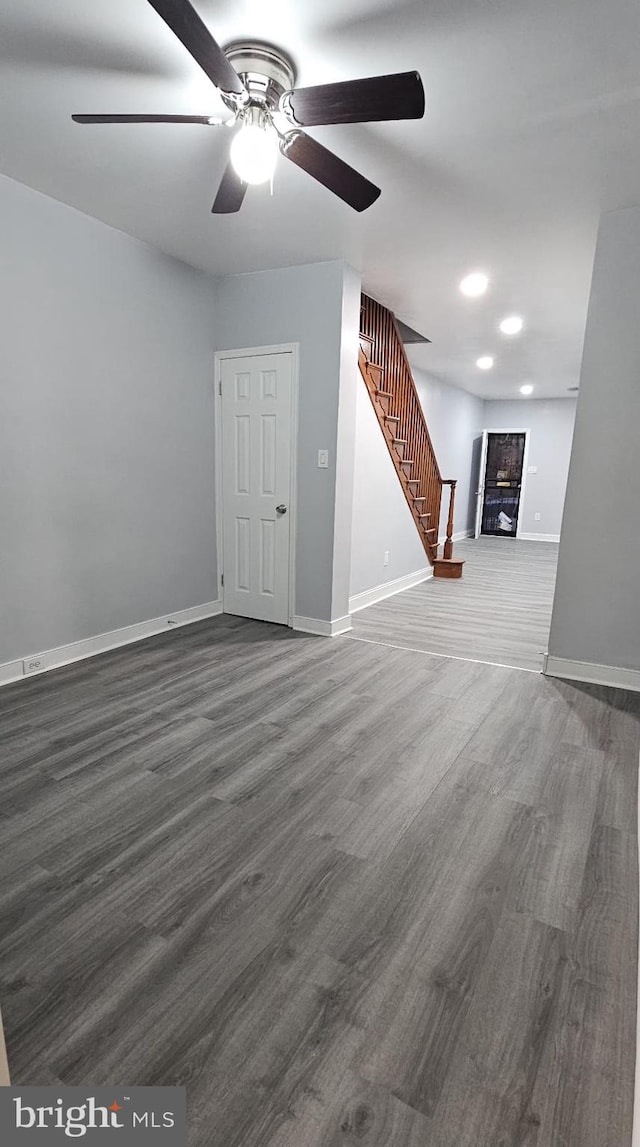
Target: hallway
{"x":499,"y":612}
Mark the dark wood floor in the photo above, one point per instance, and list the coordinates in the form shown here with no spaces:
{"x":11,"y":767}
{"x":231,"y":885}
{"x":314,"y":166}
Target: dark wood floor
{"x":344,"y":893}
{"x":499,"y":612}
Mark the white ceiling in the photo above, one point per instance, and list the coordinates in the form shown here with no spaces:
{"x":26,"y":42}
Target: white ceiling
{"x":532,"y":129}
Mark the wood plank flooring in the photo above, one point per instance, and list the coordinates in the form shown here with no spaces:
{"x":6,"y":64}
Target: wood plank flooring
{"x":343,"y":893}
{"x":499,"y":612}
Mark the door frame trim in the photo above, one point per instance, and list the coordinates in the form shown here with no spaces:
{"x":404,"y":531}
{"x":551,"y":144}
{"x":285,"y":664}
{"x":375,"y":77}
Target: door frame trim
{"x":525,"y":462}
{"x":253,"y":352}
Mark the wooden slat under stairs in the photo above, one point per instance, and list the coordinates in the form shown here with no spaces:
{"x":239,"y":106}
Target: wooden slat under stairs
{"x":385,"y":369}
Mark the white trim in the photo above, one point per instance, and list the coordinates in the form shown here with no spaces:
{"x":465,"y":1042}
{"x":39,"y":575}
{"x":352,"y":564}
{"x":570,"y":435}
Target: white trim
{"x":10,"y":671}
{"x":477,"y":522}
{"x":89,"y":646}
{"x":615,"y":676}
{"x":322,"y":628}
{"x":249,"y":352}
{"x":539,"y":537}
{"x":387,"y":589}
{"x":458,"y":537}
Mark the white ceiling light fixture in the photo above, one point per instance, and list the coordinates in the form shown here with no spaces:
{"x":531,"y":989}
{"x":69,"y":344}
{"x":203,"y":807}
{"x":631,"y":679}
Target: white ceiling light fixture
{"x":254,"y":151}
{"x":512,"y":325}
{"x":485,"y":362}
{"x":526,"y":389}
{"x":474,"y":285}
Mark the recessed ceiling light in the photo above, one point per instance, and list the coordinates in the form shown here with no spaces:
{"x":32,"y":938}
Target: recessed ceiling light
{"x":474,"y":285}
{"x":527,"y":389}
{"x":485,"y":362}
{"x":511,"y":325}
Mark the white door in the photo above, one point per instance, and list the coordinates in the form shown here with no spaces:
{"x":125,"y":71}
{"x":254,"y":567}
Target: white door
{"x":256,"y":401}
{"x":481,"y":480}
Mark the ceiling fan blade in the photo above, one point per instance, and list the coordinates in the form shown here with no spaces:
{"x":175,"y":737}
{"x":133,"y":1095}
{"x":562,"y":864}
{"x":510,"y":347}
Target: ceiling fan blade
{"x":205,"y":119}
{"x":185,"y":23}
{"x":329,"y":169}
{"x":231,"y":192}
{"x":399,"y":96}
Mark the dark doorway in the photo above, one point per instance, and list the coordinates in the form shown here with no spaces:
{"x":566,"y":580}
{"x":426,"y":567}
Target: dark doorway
{"x":503,"y":483}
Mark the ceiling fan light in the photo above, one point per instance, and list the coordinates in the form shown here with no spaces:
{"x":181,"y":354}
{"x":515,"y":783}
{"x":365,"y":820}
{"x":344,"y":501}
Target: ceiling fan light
{"x":254,"y":153}
{"x":512,"y":325}
{"x":475,"y":284}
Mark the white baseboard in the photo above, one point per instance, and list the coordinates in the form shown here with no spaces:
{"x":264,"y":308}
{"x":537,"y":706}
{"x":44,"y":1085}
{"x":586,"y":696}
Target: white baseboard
{"x":89,"y":646}
{"x":10,"y":671}
{"x":459,"y":537}
{"x":387,"y":589}
{"x":616,"y":677}
{"x":321,"y":628}
{"x":538,"y":537}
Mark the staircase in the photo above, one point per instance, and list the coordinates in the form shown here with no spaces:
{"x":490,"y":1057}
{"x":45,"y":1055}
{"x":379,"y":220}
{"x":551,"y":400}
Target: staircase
{"x":385,"y":369}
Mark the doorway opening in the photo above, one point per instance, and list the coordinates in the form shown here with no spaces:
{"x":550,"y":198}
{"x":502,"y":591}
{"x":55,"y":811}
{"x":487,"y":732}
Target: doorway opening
{"x":501,"y":482}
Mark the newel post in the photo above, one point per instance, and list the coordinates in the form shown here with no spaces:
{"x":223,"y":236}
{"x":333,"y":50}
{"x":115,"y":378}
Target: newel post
{"x":448,"y":545}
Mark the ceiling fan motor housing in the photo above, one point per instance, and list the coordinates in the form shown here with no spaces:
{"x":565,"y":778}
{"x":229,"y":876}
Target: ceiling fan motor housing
{"x":265,"y":71}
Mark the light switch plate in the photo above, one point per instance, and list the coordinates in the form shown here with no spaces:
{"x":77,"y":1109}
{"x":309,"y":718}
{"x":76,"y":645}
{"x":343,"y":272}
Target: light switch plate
{"x":323,"y":459}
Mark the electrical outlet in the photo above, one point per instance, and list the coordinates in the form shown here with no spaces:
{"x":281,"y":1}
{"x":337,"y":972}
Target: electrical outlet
{"x":33,"y":664}
{"x":536,"y":517}
{"x":386,"y":558}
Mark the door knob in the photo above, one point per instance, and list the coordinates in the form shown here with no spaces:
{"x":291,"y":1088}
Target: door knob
{"x":281,"y":509}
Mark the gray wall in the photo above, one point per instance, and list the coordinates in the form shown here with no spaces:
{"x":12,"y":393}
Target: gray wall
{"x":305,"y":305}
{"x":455,"y":420}
{"x":350,"y":382}
{"x":596,"y":613}
{"x":382,"y":519}
{"x":106,"y":428}
{"x":550,"y":423}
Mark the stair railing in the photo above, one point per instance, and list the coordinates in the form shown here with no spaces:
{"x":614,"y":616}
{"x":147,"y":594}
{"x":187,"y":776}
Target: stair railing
{"x":383,"y":346}
{"x":448,"y":545}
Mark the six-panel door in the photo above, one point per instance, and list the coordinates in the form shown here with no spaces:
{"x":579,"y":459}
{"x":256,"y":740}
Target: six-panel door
{"x":256,"y":484}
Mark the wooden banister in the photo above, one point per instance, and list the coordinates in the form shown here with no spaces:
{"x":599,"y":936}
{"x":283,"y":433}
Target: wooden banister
{"x":448,"y":545}
{"x":386,"y":370}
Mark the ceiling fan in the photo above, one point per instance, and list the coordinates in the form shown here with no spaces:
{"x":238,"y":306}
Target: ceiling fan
{"x":256,"y":83}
